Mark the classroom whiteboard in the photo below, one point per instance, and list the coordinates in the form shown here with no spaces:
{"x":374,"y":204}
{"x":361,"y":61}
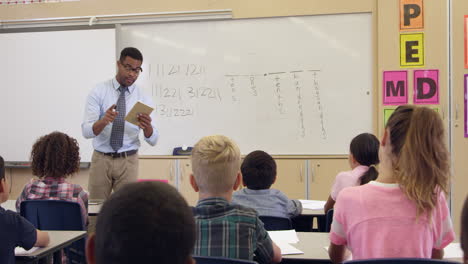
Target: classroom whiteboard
{"x":46,"y":77}
{"x":289,"y":85}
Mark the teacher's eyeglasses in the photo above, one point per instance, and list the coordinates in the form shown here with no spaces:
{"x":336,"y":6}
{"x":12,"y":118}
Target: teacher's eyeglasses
{"x":129,"y":68}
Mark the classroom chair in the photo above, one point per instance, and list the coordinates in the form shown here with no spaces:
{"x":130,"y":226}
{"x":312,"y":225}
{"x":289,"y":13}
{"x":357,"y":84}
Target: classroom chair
{"x":329,"y":220}
{"x":400,"y":261}
{"x":221,"y":260}
{"x":273,"y":223}
{"x":57,"y":215}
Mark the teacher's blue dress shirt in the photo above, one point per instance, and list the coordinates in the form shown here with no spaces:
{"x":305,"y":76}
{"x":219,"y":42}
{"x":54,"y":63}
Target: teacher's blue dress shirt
{"x":103,"y":96}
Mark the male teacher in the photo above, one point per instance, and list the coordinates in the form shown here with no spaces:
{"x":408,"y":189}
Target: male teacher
{"x":115,"y":141}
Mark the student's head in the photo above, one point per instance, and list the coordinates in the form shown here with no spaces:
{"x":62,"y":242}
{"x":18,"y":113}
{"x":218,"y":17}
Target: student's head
{"x":129,"y":66}
{"x":258,"y":170}
{"x":55,"y":155}
{"x":364,"y":150}
{"x":4,"y":187}
{"x":144,"y":222}
{"x":464,"y":231}
{"x":414,"y":146}
{"x":215,"y":165}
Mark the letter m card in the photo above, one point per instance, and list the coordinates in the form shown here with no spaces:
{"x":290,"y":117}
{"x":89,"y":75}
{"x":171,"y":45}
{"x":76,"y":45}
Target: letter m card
{"x":395,"y":87}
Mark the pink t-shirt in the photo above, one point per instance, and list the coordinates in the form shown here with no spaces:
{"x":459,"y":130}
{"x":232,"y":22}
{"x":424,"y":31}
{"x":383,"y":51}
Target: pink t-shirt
{"x":347,"y":179}
{"x":377,"y":220}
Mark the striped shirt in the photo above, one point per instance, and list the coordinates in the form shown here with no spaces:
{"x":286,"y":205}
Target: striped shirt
{"x":231,"y":231}
{"x":50,"y":188}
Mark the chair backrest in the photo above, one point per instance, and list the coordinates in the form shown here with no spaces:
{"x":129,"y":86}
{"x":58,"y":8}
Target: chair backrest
{"x":53,"y":214}
{"x":329,"y":220}
{"x":276,"y":223}
{"x":400,"y":261}
{"x":221,"y":260}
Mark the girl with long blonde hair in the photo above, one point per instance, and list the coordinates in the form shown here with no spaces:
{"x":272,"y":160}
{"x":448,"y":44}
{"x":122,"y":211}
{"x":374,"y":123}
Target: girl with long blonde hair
{"x":403,"y":213}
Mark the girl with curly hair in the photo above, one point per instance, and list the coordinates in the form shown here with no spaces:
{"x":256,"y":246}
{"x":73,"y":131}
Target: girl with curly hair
{"x":53,"y":158}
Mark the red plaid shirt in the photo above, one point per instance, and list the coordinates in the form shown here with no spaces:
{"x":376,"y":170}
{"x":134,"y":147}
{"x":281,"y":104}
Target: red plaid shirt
{"x":50,"y":188}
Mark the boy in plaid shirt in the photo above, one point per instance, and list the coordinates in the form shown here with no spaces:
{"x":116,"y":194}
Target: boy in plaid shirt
{"x":225,"y":229}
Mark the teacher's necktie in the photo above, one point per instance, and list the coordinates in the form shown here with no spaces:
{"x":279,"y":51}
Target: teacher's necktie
{"x":116,"y":138}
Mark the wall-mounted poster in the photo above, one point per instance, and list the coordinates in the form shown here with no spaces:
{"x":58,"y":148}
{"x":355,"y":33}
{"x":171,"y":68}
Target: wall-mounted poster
{"x":466,"y":45}
{"x":464,"y":99}
{"x":426,"y":87}
{"x":411,"y":15}
{"x":395,"y":87}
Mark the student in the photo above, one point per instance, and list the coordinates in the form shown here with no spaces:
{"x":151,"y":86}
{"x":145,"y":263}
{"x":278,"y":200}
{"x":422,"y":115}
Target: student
{"x":363,"y":157}
{"x":403,"y":213}
{"x":258,"y":174}
{"x":225,"y":229}
{"x":144,"y":222}
{"x":54,"y":157}
{"x":15,"y":231}
{"x":464,"y":231}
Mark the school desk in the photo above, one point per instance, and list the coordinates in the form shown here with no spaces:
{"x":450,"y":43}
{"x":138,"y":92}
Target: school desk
{"x":313,"y":245}
{"x":310,"y":221}
{"x":58,"y":241}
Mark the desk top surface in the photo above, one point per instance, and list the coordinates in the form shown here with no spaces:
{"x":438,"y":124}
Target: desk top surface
{"x":58,"y":240}
{"x":313,"y":245}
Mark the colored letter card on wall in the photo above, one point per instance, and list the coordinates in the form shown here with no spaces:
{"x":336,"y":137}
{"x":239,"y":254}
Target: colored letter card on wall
{"x":426,"y":87}
{"x":395,"y":87}
{"x":387,"y":112}
{"x":412,"y":50}
{"x":464,"y":99}
{"x":466,"y":40}
{"x":411,"y":15}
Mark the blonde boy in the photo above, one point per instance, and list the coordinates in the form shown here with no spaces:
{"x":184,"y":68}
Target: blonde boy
{"x":225,"y":229}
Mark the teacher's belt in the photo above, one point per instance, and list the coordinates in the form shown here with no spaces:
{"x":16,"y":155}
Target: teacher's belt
{"x":116,"y":155}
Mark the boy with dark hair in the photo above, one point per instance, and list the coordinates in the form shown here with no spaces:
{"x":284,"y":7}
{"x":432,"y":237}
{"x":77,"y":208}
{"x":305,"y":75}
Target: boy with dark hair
{"x":145,"y":222}
{"x":225,"y":229}
{"x":15,"y":231}
{"x":258,"y":174}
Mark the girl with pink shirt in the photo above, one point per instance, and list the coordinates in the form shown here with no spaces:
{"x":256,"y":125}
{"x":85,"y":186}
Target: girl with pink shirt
{"x":403,"y":214}
{"x":363,"y":156}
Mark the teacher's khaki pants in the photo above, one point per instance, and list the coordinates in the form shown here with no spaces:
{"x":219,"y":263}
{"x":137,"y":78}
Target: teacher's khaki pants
{"x":107,"y":174}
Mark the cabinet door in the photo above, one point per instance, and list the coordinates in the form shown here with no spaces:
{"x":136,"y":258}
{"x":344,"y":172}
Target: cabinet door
{"x":185,"y":169}
{"x":322,"y":173}
{"x":291,"y":178}
{"x":160,"y":169}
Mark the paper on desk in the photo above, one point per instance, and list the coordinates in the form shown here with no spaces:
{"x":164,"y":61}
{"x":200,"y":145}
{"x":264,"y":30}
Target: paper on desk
{"x":287,"y":249}
{"x":284,"y":236}
{"x":312,"y":204}
{"x":139,"y":107}
{"x":19,"y":251}
{"x":453,"y":250}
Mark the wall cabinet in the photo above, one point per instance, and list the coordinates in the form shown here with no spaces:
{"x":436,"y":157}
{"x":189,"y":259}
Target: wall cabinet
{"x":298,"y":177}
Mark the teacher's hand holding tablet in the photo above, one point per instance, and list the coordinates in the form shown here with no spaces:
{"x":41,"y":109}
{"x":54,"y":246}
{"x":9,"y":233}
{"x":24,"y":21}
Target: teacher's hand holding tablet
{"x":144,"y":122}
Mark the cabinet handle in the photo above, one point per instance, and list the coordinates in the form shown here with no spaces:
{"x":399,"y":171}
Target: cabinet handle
{"x":301,"y":176}
{"x":312,"y":174}
{"x":456,"y":112}
{"x":171,"y":172}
